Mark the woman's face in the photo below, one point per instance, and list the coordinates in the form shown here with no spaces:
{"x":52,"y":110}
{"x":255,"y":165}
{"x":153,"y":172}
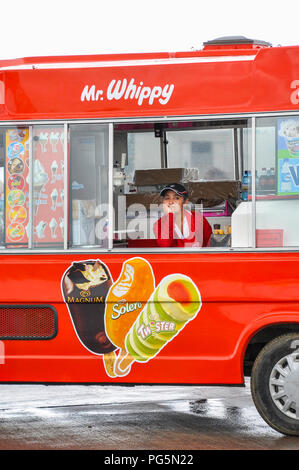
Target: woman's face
{"x":172,"y":202}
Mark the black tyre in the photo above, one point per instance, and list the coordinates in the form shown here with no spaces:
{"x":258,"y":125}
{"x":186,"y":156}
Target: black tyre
{"x":275,"y":384}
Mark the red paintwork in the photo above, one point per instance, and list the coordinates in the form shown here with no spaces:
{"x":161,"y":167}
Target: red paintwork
{"x":241,"y":293}
{"x":262,"y":84}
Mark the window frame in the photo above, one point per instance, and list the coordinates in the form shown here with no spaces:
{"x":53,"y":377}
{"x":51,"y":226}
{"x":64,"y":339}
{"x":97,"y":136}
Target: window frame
{"x":78,"y":131}
{"x":111,"y":249}
{"x":65,"y":185}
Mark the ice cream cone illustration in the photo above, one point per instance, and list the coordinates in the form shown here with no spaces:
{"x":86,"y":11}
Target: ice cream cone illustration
{"x":54,"y":139}
{"x":43,"y":140}
{"x":125,"y":300}
{"x":40,"y":229}
{"x":54,"y":168}
{"x":54,"y":197}
{"x":53,"y":226}
{"x":40,"y":178}
{"x":85,"y":286}
{"x":174,"y":303}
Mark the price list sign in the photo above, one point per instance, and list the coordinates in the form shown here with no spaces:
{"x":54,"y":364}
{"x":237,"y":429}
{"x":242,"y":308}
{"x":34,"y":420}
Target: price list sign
{"x":17,"y":188}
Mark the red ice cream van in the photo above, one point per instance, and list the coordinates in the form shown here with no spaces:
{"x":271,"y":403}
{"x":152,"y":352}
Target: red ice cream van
{"x":149,"y":228}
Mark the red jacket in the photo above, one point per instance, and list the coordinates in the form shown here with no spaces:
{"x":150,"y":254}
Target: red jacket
{"x":168,"y":235}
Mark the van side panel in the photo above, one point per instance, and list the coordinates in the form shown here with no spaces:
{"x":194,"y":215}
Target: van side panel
{"x":240,"y":293}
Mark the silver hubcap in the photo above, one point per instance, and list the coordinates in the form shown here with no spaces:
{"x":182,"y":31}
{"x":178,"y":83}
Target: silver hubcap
{"x":284,"y":385}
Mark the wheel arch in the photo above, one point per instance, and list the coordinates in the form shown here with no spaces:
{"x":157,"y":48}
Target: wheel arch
{"x":262,"y":336}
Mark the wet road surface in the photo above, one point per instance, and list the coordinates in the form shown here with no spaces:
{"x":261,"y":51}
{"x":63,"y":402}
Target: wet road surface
{"x":103,"y":417}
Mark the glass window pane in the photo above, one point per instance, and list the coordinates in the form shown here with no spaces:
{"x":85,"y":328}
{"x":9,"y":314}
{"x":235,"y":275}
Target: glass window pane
{"x":210,"y":151}
{"x":277,"y":195}
{"x":143,"y":153}
{"x":48,"y":186}
{"x":89,"y":146}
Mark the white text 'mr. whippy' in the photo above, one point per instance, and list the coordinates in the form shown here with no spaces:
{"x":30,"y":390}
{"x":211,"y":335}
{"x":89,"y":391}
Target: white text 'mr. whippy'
{"x":129,"y":90}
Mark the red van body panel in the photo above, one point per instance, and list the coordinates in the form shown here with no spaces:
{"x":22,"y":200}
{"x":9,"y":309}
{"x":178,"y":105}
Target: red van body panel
{"x":199,"y":83}
{"x":241,"y":293}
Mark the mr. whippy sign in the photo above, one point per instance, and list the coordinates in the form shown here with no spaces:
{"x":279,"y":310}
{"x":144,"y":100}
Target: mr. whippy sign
{"x":130,"y":90}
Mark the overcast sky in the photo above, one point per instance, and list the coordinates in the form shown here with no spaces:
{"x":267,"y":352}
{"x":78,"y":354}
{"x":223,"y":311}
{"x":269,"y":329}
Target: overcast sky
{"x":66,"y":27}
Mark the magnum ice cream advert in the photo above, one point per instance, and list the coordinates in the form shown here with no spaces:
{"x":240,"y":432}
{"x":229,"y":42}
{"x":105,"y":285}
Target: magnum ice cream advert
{"x":85,"y":287}
{"x":48,"y":184}
{"x":129,"y":320}
{"x":16,"y":173}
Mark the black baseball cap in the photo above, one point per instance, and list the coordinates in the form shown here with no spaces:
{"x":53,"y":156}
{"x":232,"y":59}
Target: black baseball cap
{"x":177,"y":188}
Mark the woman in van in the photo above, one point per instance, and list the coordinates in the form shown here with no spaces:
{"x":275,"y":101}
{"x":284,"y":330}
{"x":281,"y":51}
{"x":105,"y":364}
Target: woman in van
{"x":179,"y":226}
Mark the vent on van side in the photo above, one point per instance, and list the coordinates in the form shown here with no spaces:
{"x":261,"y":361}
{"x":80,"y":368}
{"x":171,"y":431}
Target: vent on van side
{"x":28,"y":322}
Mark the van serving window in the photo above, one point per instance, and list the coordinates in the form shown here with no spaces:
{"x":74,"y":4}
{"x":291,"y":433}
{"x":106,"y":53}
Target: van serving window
{"x":207,"y":157}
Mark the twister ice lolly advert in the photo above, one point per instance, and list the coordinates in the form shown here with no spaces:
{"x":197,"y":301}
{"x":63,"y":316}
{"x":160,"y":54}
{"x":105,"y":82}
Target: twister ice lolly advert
{"x":174,"y":303}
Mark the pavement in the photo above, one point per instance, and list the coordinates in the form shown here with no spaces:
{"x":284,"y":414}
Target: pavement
{"x":113,"y":417}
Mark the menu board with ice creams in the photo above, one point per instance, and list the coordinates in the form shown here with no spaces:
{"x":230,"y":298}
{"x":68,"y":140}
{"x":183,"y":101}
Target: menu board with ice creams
{"x":16,"y":184}
{"x":48,"y":186}
{"x":288,"y":156}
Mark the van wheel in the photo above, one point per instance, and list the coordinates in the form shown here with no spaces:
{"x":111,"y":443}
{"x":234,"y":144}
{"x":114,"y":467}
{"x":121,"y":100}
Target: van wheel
{"x":275,"y":384}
